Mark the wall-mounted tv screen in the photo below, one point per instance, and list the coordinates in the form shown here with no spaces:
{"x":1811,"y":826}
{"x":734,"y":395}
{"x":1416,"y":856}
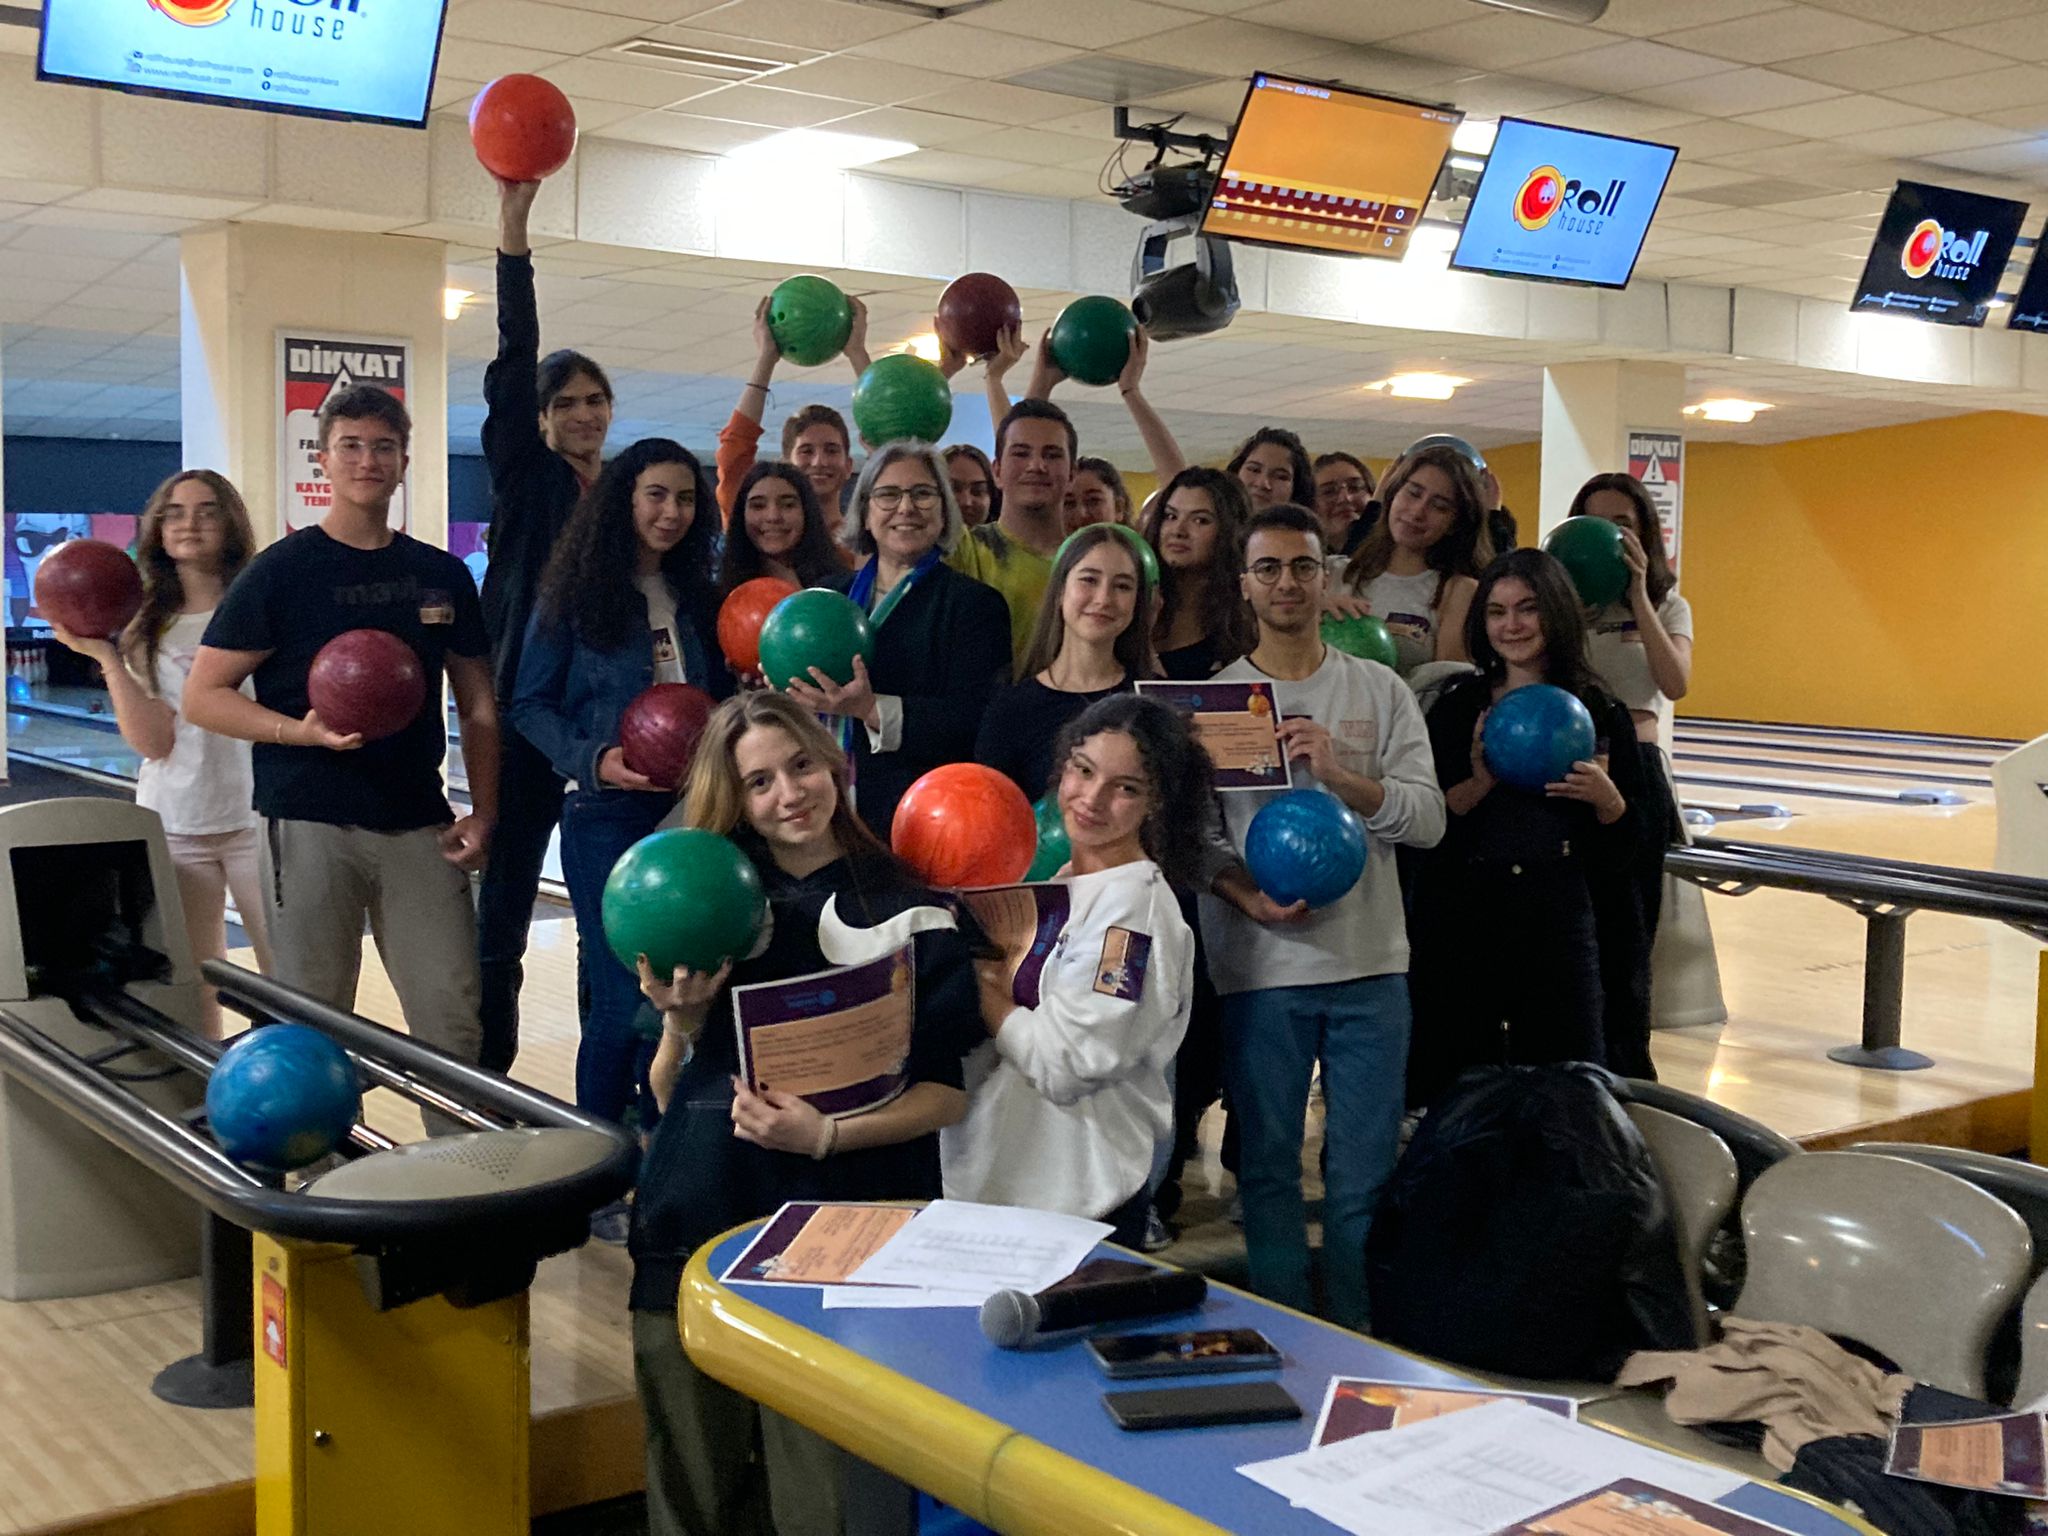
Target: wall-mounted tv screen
{"x":1561,"y":205}
{"x":1939,"y":254}
{"x":2029,"y":310}
{"x":1321,"y":168}
{"x":364,"y":60}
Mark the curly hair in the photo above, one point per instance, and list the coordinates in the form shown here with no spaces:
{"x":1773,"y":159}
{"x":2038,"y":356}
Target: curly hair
{"x":1183,"y":779}
{"x":588,"y":587}
{"x":814,"y":560}
{"x":163,"y":594}
{"x":1226,"y":617}
{"x":1464,"y":550}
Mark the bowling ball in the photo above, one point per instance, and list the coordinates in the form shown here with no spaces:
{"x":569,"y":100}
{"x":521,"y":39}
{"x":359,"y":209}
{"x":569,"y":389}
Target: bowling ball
{"x":1148,"y":562}
{"x":1091,"y":339}
{"x":282,"y":1096}
{"x":1363,"y":636}
{"x":902,"y":396}
{"x":682,"y":896}
{"x":366,"y":682}
{"x":1052,"y":838}
{"x":1535,"y":733}
{"x":89,"y":588}
{"x":659,"y":731}
{"x":963,"y":824}
{"x":816,"y":627}
{"x":741,"y":615}
{"x":810,"y":319}
{"x":1457,"y":445}
{"x":974,"y":311}
{"x":522,"y":127}
{"x":1589,"y":548}
{"x":1305,"y":846}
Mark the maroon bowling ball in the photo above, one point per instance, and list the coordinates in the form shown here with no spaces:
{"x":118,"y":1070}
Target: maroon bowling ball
{"x":659,"y":731}
{"x":89,"y":588}
{"x":974,"y":311}
{"x":367,"y":682}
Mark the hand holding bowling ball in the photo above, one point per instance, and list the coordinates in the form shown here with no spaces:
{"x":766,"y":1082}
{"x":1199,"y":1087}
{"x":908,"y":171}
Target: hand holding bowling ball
{"x":682,"y":897}
{"x":658,"y":734}
{"x":522,"y":127}
{"x":1090,"y":339}
{"x":815,"y":628}
{"x":973,"y":313}
{"x":1534,"y":735}
{"x":810,"y":318}
{"x":964,"y":825}
{"x":88,"y":587}
{"x":366,"y":683}
{"x":1306,"y":845}
{"x":1590,"y":550}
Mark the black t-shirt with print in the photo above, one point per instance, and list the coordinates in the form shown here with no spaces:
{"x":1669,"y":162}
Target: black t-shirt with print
{"x":296,"y":596}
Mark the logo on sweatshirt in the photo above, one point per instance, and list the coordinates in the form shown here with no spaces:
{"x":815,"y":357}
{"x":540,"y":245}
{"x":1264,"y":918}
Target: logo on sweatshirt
{"x":1120,"y":972}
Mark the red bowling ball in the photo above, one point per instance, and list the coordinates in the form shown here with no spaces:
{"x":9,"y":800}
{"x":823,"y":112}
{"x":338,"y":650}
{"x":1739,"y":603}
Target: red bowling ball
{"x":965,"y":825}
{"x":659,"y":732}
{"x":974,"y":311}
{"x":90,"y":588}
{"x":523,"y":128}
{"x":741,"y":615}
{"x":368,"y":683}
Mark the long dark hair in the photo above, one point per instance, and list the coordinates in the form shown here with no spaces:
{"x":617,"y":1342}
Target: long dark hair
{"x":1558,"y":610}
{"x":1133,"y":647}
{"x":1304,"y":488}
{"x":813,"y":559}
{"x":163,"y":593}
{"x":1183,"y":779}
{"x":589,"y":585}
{"x":1660,"y":578}
{"x":1226,"y":617}
{"x":1464,"y":550}
{"x":1107,"y":473}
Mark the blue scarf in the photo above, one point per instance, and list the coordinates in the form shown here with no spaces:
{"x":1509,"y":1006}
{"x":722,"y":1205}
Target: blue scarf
{"x":863,"y":593}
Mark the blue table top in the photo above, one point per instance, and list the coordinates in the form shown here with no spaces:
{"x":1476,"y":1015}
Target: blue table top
{"x":1053,"y":1395}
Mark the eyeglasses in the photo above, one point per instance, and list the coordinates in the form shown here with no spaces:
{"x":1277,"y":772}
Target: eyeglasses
{"x":1330,"y":490}
{"x":198,"y":517}
{"x":890,"y":497}
{"x":1304,"y":568}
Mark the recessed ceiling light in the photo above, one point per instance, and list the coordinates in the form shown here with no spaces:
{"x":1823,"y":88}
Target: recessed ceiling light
{"x":1420,"y":386}
{"x":452,"y":300}
{"x":821,"y":149}
{"x":1737,"y":412}
{"x":925,"y":346}
{"x":1475,"y":136}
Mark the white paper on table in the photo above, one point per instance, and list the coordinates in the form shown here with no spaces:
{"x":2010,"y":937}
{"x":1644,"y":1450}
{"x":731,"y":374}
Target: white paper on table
{"x":956,"y":1245}
{"x":880,"y":1297}
{"x":1471,"y":1473}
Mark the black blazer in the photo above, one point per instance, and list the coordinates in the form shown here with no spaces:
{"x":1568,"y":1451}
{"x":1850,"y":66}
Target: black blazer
{"x":944,"y":649}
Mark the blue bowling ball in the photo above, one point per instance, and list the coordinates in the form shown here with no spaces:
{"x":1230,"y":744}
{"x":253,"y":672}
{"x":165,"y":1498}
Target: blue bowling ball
{"x":1305,"y":846}
{"x":282,"y":1096}
{"x":1534,"y":735}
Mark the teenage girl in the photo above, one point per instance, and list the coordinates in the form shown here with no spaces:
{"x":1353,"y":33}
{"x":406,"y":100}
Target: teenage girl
{"x":1418,"y":566}
{"x":1506,"y":961}
{"x":768,"y":776}
{"x":1069,"y":1102}
{"x":1344,"y":498}
{"x":974,"y":485}
{"x":1274,"y":468}
{"x":193,"y":540}
{"x":1096,"y":494}
{"x":1196,"y":527}
{"x":1641,"y":650}
{"x":626,"y":602}
{"x":778,"y":530}
{"x":1090,"y":642}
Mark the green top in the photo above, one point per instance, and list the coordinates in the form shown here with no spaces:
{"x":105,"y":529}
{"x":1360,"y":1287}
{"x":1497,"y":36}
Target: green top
{"x":989,"y":555}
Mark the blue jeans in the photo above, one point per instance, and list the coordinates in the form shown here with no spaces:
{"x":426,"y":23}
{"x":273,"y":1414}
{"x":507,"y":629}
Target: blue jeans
{"x":1272,"y":1039}
{"x":612,"y":1058}
{"x":529,"y":805}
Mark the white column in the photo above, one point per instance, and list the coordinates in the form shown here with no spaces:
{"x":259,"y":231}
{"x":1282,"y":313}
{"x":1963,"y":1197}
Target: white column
{"x":1588,"y":411}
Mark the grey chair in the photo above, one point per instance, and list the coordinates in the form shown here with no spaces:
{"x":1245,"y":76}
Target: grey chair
{"x":1700,"y":1177}
{"x":1905,"y":1259}
{"x":2033,"y":1372}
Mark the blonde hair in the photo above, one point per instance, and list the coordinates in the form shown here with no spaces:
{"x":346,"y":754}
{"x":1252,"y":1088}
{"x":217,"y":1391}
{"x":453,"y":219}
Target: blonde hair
{"x":714,"y":797}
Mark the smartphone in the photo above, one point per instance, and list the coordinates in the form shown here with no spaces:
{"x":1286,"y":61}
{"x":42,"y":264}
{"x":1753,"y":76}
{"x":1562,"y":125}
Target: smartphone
{"x":1129,"y":1356}
{"x":1236,"y":1402}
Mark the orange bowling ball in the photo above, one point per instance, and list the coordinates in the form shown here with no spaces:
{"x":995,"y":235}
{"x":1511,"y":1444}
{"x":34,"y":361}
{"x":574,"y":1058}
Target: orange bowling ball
{"x":741,"y":615}
{"x":964,"y":825}
{"x":523,"y":127}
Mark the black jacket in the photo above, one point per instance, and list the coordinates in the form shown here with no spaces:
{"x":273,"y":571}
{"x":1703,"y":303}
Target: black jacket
{"x":533,"y":489}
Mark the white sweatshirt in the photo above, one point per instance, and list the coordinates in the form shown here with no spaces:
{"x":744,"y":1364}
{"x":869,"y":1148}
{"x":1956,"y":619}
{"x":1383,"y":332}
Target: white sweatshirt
{"x":1068,"y":1101}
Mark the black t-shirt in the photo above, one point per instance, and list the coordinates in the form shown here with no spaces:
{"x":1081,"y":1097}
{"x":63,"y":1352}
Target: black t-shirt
{"x":698,"y":1178}
{"x":296,"y":596}
{"x":1021,"y":724}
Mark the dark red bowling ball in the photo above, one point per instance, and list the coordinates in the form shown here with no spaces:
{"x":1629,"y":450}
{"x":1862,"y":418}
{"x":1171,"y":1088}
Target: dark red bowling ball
{"x":659,"y":731}
{"x":974,"y":311}
{"x":367,"y":682}
{"x":522,"y":127}
{"x":89,"y":588}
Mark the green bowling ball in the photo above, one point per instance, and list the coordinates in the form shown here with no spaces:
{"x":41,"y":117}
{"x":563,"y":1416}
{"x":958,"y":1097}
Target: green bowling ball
{"x":1589,"y":548}
{"x":1091,"y":339}
{"x":810,"y":319}
{"x":816,"y":627}
{"x":683,"y":896}
{"x":1364,"y":636}
{"x":1148,"y":562}
{"x":1052,"y":838}
{"x":902,"y":396}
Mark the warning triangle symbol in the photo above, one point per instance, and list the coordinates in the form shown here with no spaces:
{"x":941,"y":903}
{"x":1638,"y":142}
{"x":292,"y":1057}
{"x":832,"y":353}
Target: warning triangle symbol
{"x":1653,"y":472}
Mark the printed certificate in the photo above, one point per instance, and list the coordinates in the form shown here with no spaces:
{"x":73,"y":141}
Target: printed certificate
{"x":839,"y":1039}
{"x":1359,"y":1405}
{"x":1999,"y":1455}
{"x":1238,"y":725}
{"x":1023,"y":922}
{"x":1626,"y":1507}
{"x":807,"y":1243}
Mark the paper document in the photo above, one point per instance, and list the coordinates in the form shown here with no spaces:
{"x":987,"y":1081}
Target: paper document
{"x":807,"y":1243}
{"x":1363,"y":1405}
{"x":1629,"y":1508}
{"x":1998,"y":1455}
{"x":1472,"y":1473}
{"x":839,"y":1039}
{"x":955,"y":1245}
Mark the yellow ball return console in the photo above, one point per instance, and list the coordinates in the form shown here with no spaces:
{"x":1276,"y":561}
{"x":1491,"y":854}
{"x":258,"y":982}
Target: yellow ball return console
{"x":388,"y":1298}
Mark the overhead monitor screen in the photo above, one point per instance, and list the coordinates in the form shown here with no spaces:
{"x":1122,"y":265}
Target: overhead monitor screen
{"x":2030,"y":310}
{"x":1561,"y":205}
{"x":365,"y":60}
{"x":1939,"y":254}
{"x":1321,"y":168}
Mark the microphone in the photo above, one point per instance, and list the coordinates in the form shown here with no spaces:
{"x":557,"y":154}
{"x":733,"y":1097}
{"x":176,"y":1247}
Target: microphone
{"x":1014,"y":1319}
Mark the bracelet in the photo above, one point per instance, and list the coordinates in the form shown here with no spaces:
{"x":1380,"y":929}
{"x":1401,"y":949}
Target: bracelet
{"x":278,"y":738}
{"x":829,"y":1144}
{"x":750,"y":384}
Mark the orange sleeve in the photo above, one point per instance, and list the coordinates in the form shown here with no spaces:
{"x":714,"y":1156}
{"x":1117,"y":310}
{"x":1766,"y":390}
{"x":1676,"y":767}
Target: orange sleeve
{"x":736,"y":445}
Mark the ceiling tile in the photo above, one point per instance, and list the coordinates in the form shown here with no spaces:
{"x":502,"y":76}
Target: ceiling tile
{"x":877,"y":82}
{"x":1629,"y":66}
{"x":1617,"y":114}
{"x":1711,"y":136}
{"x":1506,"y":95}
{"x":526,"y":23}
{"x":469,"y":59}
{"x":1903,"y":61}
{"x":1923,"y":139}
{"x":1032,"y":146}
{"x":1739,"y":90}
{"x":1788,"y":34}
{"x":2028,"y":158}
{"x":1079,"y":23}
{"x":1348,"y":20}
{"x":675,"y":130}
{"x":1652,"y":18}
{"x":644,"y":10}
{"x":2026,"y":119}
{"x":944,"y":167}
{"x":1235,"y":47}
{"x":609,"y":79}
{"x":1930,"y":15}
{"x":923,"y":129}
{"x":2018,"y":85}
{"x":773,"y":108}
{"x":1495,"y":41}
{"x":999,"y":103}
{"x":826,"y":25}
{"x":959,"y":49}
{"x":1839,"y":115}
{"x":2022,"y":37}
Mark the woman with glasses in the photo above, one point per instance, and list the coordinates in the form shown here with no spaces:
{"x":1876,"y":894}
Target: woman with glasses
{"x":1417,"y":567}
{"x":1344,"y":499}
{"x":194,"y":539}
{"x":942,"y":640}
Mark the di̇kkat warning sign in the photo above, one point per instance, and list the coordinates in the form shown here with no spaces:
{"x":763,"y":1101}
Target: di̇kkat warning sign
{"x":310,"y":367}
{"x":1658,"y":460}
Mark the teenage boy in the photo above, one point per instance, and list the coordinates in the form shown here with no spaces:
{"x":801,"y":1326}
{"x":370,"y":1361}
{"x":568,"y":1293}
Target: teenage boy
{"x":814,"y":438}
{"x":1035,"y":448}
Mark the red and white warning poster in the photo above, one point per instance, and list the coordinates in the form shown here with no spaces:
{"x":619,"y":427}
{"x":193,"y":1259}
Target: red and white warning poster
{"x":1658,"y":460}
{"x":310,"y":367}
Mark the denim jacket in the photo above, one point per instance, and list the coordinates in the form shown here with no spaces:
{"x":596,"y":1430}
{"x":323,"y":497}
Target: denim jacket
{"x":569,"y":695}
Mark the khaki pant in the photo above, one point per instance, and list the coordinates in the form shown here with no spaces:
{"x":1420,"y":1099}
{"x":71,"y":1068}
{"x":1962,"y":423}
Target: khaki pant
{"x":209,"y":867}
{"x":718,"y":1463}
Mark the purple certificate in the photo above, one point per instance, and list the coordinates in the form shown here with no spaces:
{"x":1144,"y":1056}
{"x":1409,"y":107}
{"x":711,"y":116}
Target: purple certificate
{"x":839,"y":1039}
{"x":1238,"y":725}
{"x":1024,"y":922}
